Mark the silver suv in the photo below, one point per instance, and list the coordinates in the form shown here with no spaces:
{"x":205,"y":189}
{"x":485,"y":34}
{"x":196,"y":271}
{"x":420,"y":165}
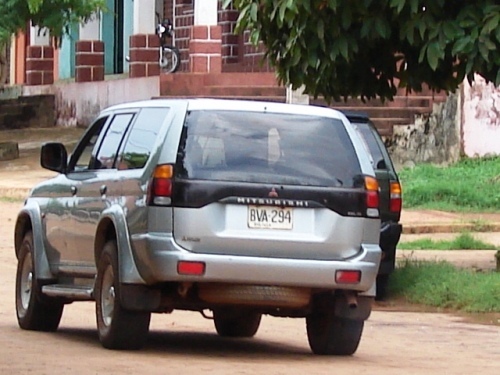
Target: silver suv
{"x":238,"y":208}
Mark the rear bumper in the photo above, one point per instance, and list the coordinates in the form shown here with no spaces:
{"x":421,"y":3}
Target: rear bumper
{"x":157,"y":258}
{"x":390,"y":232}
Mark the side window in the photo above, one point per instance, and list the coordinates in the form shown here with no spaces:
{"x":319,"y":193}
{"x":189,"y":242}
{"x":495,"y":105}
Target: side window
{"x":105,"y":158}
{"x":371,"y":142}
{"x":82,"y":156}
{"x":142,"y":138}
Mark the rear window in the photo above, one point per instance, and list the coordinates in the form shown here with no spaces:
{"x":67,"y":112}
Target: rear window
{"x":267,"y":148}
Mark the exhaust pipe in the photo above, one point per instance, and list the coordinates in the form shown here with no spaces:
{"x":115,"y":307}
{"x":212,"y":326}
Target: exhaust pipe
{"x":183,"y":289}
{"x":352,"y":299}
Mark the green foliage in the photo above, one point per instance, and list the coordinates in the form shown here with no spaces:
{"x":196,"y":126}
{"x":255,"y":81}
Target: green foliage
{"x":369,"y":48}
{"x":469,"y":185}
{"x":440,"y":284}
{"x":55,"y":15}
{"x":464,"y":241}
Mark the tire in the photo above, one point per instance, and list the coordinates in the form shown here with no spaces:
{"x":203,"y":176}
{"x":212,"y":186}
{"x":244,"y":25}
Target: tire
{"x":331,"y":335}
{"x":117,"y":328}
{"x":34,"y":311}
{"x":382,"y":283}
{"x":170,"y":60}
{"x":236,"y":323}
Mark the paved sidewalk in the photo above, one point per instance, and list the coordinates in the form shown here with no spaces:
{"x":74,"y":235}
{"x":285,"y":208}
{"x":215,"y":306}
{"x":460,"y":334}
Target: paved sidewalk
{"x":432,"y":221}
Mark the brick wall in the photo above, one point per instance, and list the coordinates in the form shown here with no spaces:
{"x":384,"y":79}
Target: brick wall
{"x":230,"y":41}
{"x":253,"y":56}
{"x":89,"y":65}
{"x":144,"y":54}
{"x":39,"y":65}
{"x":238,"y":54}
{"x":184,"y":19}
{"x":205,"y":49}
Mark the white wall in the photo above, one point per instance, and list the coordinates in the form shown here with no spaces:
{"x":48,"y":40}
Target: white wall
{"x":481,"y":118}
{"x":79,"y":103}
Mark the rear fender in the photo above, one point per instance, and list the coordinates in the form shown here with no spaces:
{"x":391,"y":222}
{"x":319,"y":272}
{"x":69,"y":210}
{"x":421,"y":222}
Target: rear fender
{"x":30,"y":218}
{"x":113,"y":222}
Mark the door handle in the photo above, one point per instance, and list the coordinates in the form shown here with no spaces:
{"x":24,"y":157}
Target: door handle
{"x":103,"y":189}
{"x":74,"y":190}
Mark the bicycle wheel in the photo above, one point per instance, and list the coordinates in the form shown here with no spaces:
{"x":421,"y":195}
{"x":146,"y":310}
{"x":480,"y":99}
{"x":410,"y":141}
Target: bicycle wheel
{"x":170,"y":59}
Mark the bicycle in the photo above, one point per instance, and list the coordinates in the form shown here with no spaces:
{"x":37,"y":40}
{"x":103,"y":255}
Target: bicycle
{"x":170,"y":56}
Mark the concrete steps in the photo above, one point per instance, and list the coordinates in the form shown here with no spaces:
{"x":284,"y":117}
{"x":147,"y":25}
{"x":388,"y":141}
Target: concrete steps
{"x":386,"y":114}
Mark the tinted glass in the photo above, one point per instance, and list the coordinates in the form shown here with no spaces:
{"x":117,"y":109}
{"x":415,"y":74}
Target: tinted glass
{"x":109,"y":147}
{"x":267,"y":148}
{"x":142,"y":138}
{"x":370,"y":139}
{"x":83,"y":152}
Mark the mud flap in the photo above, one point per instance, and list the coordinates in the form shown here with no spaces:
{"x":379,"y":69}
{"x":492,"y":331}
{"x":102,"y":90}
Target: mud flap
{"x":136,"y":297}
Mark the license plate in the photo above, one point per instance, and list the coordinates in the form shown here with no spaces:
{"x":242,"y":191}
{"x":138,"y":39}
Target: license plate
{"x":264,"y":217}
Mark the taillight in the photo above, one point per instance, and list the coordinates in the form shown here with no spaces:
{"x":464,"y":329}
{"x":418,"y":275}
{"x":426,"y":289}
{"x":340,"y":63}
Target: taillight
{"x":347,"y":277}
{"x":160,"y":189}
{"x":190,"y":268}
{"x":396,"y":201}
{"x":372,"y":196}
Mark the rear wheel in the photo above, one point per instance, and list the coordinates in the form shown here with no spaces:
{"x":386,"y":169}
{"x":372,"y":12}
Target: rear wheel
{"x":117,"y":328}
{"x":34,"y":311}
{"x":170,"y":60}
{"x":331,"y":335}
{"x":236,"y":322}
{"x":382,"y":283}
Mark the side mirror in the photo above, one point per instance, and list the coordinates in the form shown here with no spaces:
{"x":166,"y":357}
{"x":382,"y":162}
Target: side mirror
{"x":54,"y":157}
{"x":381,"y":164}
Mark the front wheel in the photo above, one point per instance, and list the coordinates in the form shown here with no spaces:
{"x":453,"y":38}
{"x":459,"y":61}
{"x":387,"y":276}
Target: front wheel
{"x":331,"y":335}
{"x":34,"y":311}
{"x":170,"y":59}
{"x":117,"y":328}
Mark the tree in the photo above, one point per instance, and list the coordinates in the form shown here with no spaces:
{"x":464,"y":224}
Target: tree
{"x":369,"y":48}
{"x":56,"y":16}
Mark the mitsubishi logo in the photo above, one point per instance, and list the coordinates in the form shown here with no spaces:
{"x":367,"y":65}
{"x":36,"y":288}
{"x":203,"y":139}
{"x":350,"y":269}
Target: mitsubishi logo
{"x":273,"y":193}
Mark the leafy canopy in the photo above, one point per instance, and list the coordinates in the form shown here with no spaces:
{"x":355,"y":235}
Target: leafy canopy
{"x":55,"y":15}
{"x":369,"y":48}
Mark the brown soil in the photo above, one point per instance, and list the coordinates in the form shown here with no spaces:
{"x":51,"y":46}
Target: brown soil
{"x":398,"y":339}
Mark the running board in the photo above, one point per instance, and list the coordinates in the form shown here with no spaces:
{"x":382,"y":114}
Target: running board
{"x":73,"y":292}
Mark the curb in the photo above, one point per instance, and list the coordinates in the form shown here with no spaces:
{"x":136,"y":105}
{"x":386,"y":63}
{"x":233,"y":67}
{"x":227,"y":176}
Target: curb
{"x":449,"y":228}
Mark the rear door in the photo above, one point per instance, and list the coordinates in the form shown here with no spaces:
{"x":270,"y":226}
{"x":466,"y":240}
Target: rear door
{"x":268,"y":184}
{"x":95,"y":186}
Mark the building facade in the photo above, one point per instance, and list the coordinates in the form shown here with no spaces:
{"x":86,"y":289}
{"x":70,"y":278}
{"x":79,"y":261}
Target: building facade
{"x":121,"y":43}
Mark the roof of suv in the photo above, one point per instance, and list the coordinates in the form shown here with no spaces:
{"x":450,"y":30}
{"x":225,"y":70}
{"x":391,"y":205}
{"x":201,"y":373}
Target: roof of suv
{"x":356,"y":116}
{"x":230,"y":104}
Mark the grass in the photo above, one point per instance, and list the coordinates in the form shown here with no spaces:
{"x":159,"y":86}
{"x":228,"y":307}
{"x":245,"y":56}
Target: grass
{"x":464,"y":241}
{"x":11,"y":199}
{"x":440,"y":284}
{"x":471,"y":185}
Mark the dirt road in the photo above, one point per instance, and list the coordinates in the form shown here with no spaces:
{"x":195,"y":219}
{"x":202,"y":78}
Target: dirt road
{"x":392,"y":343}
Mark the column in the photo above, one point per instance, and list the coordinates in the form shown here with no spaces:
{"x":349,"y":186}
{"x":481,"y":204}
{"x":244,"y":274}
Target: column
{"x":89,"y":63}
{"x":39,"y":59}
{"x":205,"y":45}
{"x":144,"y":44}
